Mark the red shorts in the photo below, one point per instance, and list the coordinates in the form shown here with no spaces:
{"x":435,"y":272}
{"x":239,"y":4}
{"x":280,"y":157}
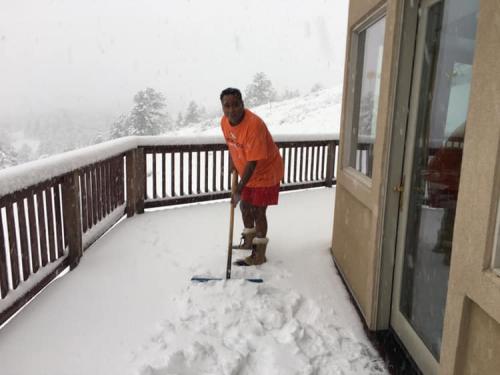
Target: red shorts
{"x":261,"y":196}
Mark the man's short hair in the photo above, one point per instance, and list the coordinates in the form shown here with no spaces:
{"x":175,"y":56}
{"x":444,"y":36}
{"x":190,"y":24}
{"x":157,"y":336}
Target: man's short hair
{"x":231,"y":91}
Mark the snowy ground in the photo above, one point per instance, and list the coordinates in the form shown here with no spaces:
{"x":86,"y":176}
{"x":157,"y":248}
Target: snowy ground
{"x":129,"y":307}
{"x":316,"y":112}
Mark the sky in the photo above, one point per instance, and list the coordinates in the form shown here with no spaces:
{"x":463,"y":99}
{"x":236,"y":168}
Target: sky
{"x":95,"y":55}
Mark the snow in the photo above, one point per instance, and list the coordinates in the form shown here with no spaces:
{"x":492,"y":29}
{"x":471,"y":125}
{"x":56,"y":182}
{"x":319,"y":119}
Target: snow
{"x":102,"y":226}
{"x":130,"y":308}
{"x":315,"y":116}
{"x":24,"y":175}
{"x":311,"y":114}
{"x":25,"y":286}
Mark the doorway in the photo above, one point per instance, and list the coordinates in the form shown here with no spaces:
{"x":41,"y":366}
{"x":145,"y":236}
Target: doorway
{"x":442,"y":73}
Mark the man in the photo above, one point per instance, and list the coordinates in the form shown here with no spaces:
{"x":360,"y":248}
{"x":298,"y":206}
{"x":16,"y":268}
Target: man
{"x":260,"y":167}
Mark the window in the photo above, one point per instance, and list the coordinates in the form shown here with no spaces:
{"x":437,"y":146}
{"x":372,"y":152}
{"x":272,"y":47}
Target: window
{"x":367,"y":52}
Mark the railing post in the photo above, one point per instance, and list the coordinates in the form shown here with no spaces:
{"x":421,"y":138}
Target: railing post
{"x":330,"y":160}
{"x":130,"y":158}
{"x":140,"y":183}
{"x":135,"y":181}
{"x":140,"y":180}
{"x":72,"y":217}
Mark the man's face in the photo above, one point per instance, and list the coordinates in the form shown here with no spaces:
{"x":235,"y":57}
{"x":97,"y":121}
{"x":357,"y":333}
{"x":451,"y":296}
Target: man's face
{"x":233,"y":108}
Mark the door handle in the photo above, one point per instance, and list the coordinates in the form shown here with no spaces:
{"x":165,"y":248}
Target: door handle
{"x":399,"y":188}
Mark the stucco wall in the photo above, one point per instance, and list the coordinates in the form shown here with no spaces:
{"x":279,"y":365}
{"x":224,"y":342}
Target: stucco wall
{"x":465,"y":348}
{"x":481,"y":352}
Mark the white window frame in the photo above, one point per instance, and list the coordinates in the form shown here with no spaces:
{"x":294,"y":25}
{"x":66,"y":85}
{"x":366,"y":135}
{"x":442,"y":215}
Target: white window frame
{"x":354,"y":85}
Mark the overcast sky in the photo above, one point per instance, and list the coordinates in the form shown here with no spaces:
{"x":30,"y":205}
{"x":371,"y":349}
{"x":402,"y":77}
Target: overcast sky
{"x":96,"y":54}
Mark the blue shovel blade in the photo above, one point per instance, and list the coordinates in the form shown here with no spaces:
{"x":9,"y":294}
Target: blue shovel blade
{"x":203,"y":279}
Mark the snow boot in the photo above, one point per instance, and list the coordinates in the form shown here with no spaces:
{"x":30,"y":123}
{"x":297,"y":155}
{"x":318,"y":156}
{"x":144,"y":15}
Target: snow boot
{"x":258,"y":255}
{"x":247,"y":237}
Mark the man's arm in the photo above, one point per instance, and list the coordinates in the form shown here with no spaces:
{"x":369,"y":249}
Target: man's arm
{"x":247,"y":174}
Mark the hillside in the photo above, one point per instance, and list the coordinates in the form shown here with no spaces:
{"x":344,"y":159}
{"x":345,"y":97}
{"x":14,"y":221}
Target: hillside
{"x":317,"y":112}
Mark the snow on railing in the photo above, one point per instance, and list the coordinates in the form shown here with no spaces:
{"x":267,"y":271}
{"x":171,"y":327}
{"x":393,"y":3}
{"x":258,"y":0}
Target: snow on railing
{"x":51,"y":210}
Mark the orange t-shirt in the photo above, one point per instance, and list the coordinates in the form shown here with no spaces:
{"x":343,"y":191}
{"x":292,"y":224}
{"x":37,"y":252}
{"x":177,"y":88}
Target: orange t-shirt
{"x":251,"y":141}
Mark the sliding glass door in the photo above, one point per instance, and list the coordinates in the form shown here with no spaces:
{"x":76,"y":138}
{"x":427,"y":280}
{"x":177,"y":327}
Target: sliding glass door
{"x":436,"y":127}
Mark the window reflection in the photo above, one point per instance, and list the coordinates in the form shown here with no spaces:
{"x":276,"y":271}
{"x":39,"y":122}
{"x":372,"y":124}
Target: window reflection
{"x":368,"y":73}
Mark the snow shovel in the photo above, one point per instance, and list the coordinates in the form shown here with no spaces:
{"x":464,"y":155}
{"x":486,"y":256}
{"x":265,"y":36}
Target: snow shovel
{"x":234,"y":182}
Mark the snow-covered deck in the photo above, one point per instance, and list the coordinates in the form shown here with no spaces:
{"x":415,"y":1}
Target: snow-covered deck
{"x":130,"y":308}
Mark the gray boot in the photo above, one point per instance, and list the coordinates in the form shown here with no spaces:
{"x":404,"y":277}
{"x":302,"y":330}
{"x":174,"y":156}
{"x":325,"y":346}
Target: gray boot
{"x":247,"y":237}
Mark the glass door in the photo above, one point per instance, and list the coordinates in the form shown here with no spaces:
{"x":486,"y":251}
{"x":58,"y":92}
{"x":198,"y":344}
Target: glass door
{"x":433,"y":154}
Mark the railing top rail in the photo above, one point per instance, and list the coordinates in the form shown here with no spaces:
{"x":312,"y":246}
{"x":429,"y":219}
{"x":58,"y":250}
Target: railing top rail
{"x":32,"y":173}
{"x":216,"y":139}
{"x":22,"y":176}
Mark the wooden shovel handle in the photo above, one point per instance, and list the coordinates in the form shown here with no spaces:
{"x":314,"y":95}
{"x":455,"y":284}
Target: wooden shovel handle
{"x":234,"y":182}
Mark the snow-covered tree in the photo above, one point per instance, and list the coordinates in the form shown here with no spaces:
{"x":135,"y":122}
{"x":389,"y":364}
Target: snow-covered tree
{"x":194,"y":113}
{"x":25,"y":153}
{"x":120,"y":128}
{"x":148,"y":117}
{"x":100,"y":137}
{"x":290,"y":94}
{"x":8,"y":156}
{"x":179,"y":123}
{"x":260,"y":91}
{"x":316,"y":87}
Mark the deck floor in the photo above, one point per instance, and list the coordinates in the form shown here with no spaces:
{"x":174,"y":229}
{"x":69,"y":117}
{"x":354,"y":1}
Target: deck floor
{"x":102,"y":317}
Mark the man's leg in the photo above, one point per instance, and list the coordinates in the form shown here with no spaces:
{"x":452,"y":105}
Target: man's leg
{"x":247,"y":214}
{"x":260,"y":221}
{"x":249,"y":232}
{"x":260,"y":241}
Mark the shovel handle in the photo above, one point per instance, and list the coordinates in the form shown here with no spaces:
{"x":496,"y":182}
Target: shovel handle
{"x":234,"y":182}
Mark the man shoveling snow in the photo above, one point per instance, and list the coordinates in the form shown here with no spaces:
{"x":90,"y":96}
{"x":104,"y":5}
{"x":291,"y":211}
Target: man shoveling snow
{"x":258,"y":162}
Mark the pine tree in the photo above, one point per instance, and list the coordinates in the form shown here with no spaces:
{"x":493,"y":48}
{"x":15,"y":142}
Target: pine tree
{"x":148,"y":117}
{"x":260,"y":91}
{"x":194,"y":113}
{"x":290,"y":94}
{"x":120,"y":127}
{"x":179,"y":123}
{"x":316,"y":87}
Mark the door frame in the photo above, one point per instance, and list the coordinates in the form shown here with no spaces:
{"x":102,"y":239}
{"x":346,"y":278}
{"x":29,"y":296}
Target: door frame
{"x":407,"y":26}
{"x":414,"y":344}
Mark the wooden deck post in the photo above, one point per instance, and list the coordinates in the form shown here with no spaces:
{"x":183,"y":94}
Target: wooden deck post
{"x":140,"y":180}
{"x":330,"y":159}
{"x":131,"y":185}
{"x":72,"y":217}
{"x":136,"y":173}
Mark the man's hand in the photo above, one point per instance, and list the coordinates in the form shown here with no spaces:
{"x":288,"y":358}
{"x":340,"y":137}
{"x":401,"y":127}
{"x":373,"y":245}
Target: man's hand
{"x":247,"y":173}
{"x":235,"y":198}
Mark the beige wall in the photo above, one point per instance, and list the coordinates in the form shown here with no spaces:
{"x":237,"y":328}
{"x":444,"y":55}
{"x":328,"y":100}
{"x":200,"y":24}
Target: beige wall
{"x":355,"y":243}
{"x":480,"y":352}
{"x":471,"y":338}
{"x":468,"y":331}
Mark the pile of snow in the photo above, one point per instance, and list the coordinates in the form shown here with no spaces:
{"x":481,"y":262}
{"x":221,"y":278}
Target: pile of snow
{"x":242,"y":328}
{"x":317,"y":112}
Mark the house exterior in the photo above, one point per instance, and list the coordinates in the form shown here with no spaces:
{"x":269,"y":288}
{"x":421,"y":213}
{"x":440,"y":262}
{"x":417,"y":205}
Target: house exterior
{"x":416,"y":229}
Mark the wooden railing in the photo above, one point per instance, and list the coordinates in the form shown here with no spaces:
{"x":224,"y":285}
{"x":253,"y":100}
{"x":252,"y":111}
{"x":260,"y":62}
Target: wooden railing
{"x":194,"y":173}
{"x":52,"y":210}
